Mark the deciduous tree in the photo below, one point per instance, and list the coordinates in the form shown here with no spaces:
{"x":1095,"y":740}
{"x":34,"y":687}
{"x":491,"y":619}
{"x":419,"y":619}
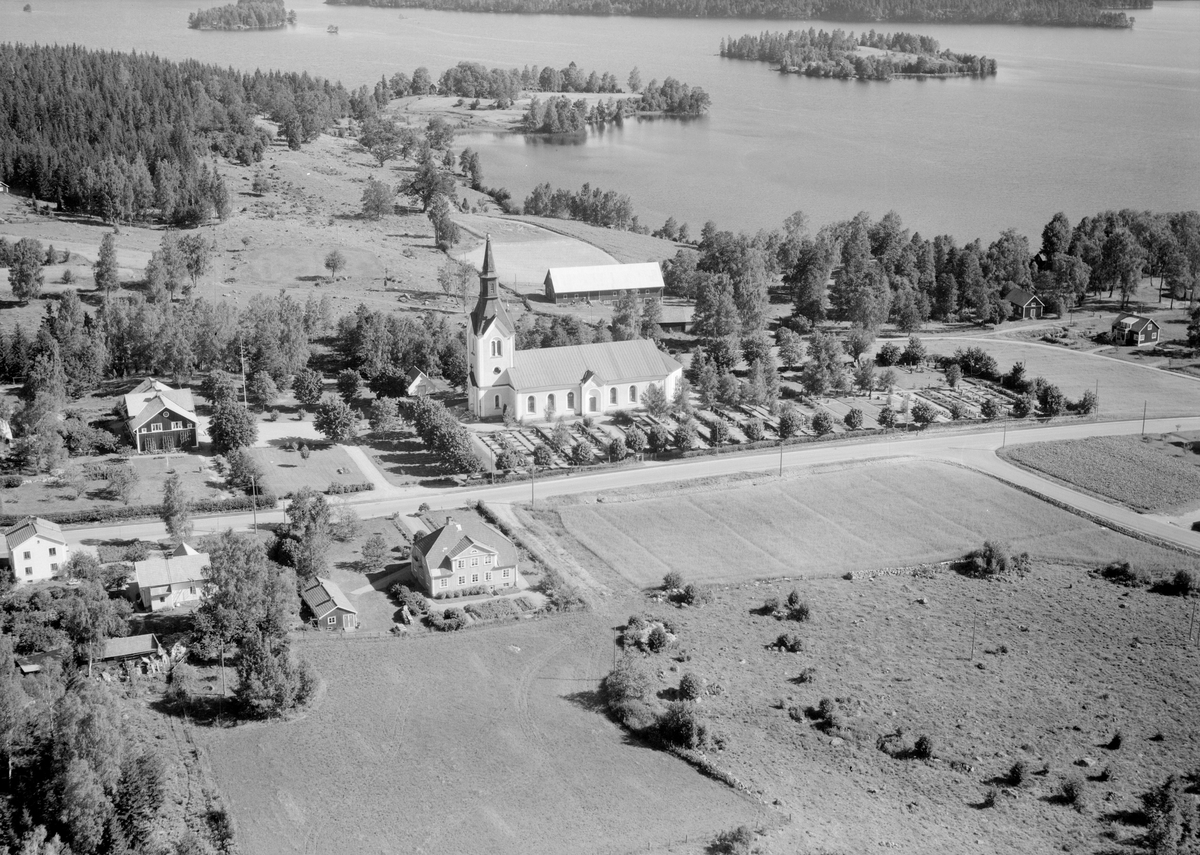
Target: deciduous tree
{"x":335,"y":419}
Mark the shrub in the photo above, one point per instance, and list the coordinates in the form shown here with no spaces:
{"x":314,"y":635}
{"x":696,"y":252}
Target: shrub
{"x":734,"y":842}
{"x":793,"y":599}
{"x":423,"y":508}
{"x":923,"y":749}
{"x":853,"y":420}
{"x":10,"y":481}
{"x":304,"y":451}
{"x":822,"y":423}
{"x":562,"y":595}
{"x":681,"y":726}
{"x":336,"y":488}
{"x":800,"y":612}
{"x":657,"y":639}
{"x":989,"y":798}
{"x":493,"y":609}
{"x":1017,"y":773}
{"x":449,"y":620}
{"x":689,"y":687}
{"x":753,"y":429}
{"x":1114,"y":744}
{"x":673,"y":581}
{"x":807,"y":675}
{"x":790,"y":641}
{"x":1022,"y":407}
{"x":1071,"y":791}
{"x":697,"y":595}
{"x":623,"y":692}
{"x":1184,"y":583}
{"x":888,"y":354}
{"x":989,"y":409}
{"x":1172,"y":822}
{"x":993,"y":559}
{"x":770,"y":605}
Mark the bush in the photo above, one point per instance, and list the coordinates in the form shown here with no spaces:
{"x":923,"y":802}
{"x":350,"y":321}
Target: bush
{"x":697,"y":595}
{"x":1123,"y":573}
{"x":1184,"y":583}
{"x":989,"y":798}
{"x":562,"y":595}
{"x":735,"y":842}
{"x":790,"y":641}
{"x":993,"y":559}
{"x":690,"y":687}
{"x":10,"y":481}
{"x":888,"y":354}
{"x":497,"y":609}
{"x":681,"y":726}
{"x":770,"y":605}
{"x":989,"y":409}
{"x":449,"y":620}
{"x":853,"y":420}
{"x":822,"y":423}
{"x":753,"y":429}
{"x":657,"y":639}
{"x":336,"y":488}
{"x":1017,"y":774}
{"x":1071,"y":792}
{"x":129,"y":512}
{"x":923,"y":749}
{"x":807,"y":675}
{"x":1172,"y":821}
{"x":800,"y":612}
{"x":624,"y":691}
{"x":673,"y":581}
{"x":1022,"y":407}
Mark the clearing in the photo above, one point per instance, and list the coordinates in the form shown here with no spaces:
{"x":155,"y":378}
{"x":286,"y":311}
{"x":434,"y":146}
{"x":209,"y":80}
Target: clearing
{"x":1152,"y":473}
{"x":828,"y":521}
{"x":459,"y":743}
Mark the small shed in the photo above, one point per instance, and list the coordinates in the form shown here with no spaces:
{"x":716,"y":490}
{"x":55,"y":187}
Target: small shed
{"x":1022,"y":305}
{"x":677,"y":319}
{"x":330,"y":608}
{"x":35,"y":662}
{"x":132,"y":647}
{"x":1134,"y":330}
{"x":418,"y":384}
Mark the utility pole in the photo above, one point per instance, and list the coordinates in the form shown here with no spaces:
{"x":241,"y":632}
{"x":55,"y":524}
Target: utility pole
{"x":1005,"y":440}
{"x":532,"y":481}
{"x":1144,"y":403}
{"x":781,"y":455}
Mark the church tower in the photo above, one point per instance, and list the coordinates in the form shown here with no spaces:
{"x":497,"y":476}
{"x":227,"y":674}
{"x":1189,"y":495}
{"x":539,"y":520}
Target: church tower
{"x":490,"y":346}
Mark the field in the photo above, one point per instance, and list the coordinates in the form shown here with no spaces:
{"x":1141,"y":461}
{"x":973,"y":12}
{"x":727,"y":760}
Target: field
{"x":288,"y":471}
{"x":825,"y":523}
{"x":523,"y":252}
{"x":1124,"y":386}
{"x":481,"y":741}
{"x":1153,"y":474}
{"x":1085,"y":659}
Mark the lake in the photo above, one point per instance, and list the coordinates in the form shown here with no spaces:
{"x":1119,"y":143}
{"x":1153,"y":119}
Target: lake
{"x":1076,"y":120}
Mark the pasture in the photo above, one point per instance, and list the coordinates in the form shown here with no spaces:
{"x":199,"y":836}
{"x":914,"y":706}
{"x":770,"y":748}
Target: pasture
{"x":1062,"y":661}
{"x":481,"y":741}
{"x":1123,"y":386}
{"x":827,"y":522}
{"x":523,"y":252}
{"x":1152,"y":474}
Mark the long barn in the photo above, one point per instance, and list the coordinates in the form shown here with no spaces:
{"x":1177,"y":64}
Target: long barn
{"x":604,"y":282}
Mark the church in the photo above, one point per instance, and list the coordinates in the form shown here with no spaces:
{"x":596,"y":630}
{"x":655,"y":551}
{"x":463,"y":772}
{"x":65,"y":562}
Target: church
{"x":577,"y":380}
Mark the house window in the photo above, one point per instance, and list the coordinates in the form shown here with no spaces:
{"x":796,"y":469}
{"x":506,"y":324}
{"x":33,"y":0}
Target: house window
{"x":531,"y":405}
{"x":53,"y":551}
{"x":474,"y":577}
{"x":332,"y":620}
{"x":474,"y":562}
{"x":593,"y":403}
{"x":571,"y":401}
{"x":633,"y":394}
{"x":487,"y":559}
{"x":442,"y":583}
{"x":462,"y":580}
{"x":506,"y":573}
{"x":143,"y":430}
{"x":156,"y":428}
{"x":53,"y":568}
{"x":612,"y":395}
{"x":192,"y":590}
{"x":28,"y":571}
{"x":176,"y":425}
{"x":497,"y":406}
{"x":487,"y":577}
{"x":462,"y":562}
{"x":28,"y":556}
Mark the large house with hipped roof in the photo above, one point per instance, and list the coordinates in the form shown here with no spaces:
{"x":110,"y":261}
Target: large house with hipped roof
{"x":35,"y":549}
{"x":167,"y":581}
{"x":464,"y":554}
{"x":575,"y":380}
{"x":159,"y":418}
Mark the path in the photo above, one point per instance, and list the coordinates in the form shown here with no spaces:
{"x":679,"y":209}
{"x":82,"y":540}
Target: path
{"x":974,"y":450}
{"x":371,"y":472}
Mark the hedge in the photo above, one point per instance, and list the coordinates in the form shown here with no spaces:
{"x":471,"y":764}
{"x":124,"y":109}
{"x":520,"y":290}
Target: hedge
{"x":265,"y":501}
{"x":336,"y":488}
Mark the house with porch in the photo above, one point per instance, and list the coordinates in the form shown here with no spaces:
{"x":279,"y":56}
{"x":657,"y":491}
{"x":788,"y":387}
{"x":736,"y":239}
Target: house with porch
{"x":159,"y":418}
{"x":34,"y":549}
{"x":167,"y":581}
{"x":1134,"y":330}
{"x":461,"y":555}
{"x":1022,"y":305}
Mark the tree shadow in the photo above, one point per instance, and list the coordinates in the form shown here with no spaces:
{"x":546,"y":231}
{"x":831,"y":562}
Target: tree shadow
{"x":1136,"y":818}
{"x":589,"y":700}
{"x":318,"y":279}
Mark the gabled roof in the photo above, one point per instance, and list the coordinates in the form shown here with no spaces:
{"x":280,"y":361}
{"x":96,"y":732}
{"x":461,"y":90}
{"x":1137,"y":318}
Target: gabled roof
{"x":131,"y":646}
{"x":140,"y":398}
{"x":178,"y":568}
{"x":452,"y":539}
{"x":1021,"y":297}
{"x":617,"y":362}
{"x":155,"y":406}
{"x":417,"y":377}
{"x":489,"y":309}
{"x":324,"y":596}
{"x":604,"y":277}
{"x":1136,"y":323}
{"x":31,"y":527}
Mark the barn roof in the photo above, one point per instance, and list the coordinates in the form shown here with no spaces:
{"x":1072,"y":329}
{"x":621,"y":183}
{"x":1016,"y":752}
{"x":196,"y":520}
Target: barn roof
{"x":324,"y":596}
{"x":611,"y":363}
{"x":604,"y":278}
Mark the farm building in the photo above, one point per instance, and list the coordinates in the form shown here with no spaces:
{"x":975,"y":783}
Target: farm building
{"x":1023,"y":305}
{"x":34,"y":548}
{"x":132,"y":647}
{"x":329,"y":606}
{"x":581,"y":379}
{"x":34,"y":663}
{"x":159,"y":418}
{"x":418,"y":383}
{"x":1134,"y":330}
{"x":464,"y":554}
{"x":677,"y":318}
{"x":603,"y":282}
{"x":165,"y":582}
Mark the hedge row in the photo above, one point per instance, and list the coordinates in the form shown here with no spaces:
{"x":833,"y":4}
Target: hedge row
{"x":264,"y":501}
{"x":337,"y":488}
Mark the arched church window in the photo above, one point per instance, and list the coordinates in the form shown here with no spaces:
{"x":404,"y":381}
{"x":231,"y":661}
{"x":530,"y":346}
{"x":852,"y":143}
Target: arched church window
{"x":571,"y":401}
{"x":531,"y":405}
{"x":633,"y":394}
{"x":612,"y":395}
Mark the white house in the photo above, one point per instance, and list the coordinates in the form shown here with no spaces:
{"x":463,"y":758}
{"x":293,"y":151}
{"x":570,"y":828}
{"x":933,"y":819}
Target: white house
{"x":35,"y":549}
{"x":167,"y":581}
{"x":584,"y":379}
{"x":464,"y":554}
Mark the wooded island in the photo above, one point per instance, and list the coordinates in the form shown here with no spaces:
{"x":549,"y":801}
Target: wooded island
{"x":243,"y":15}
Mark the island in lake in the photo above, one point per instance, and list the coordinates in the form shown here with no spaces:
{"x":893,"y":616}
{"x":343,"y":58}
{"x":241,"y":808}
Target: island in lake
{"x":1054,"y":13}
{"x":816,"y":53}
{"x":243,"y":15}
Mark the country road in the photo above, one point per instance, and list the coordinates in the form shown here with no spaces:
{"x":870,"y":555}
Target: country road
{"x":974,"y":450}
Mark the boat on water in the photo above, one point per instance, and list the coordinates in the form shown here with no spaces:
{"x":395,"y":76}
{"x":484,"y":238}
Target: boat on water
{"x":332,"y":30}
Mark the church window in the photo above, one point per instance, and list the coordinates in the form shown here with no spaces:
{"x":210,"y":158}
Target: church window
{"x":496,"y":347}
{"x":497,"y":406}
{"x":550,"y":402}
{"x":633,"y":394}
{"x":571,"y":401}
{"x":612,"y":395}
{"x":531,"y":405}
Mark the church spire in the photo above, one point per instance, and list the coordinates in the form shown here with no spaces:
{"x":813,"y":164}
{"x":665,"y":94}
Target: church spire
{"x":489,"y":305}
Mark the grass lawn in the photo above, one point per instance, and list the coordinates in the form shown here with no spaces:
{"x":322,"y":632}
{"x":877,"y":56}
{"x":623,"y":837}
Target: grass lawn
{"x":287,"y":471}
{"x":820,"y":523}
{"x":482,"y":741}
{"x":1085,"y":658}
{"x":375,"y":610}
{"x":1148,"y":474}
{"x":403,"y":458}
{"x":41,"y":495}
{"x":1124,"y":387}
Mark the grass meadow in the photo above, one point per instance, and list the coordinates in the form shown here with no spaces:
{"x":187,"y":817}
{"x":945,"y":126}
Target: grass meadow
{"x":824,"y":523}
{"x":1147,"y":474}
{"x":480,"y":741}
